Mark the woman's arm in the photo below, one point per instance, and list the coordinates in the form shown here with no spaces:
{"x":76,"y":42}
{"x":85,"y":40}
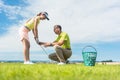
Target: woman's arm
{"x":35,"y":30}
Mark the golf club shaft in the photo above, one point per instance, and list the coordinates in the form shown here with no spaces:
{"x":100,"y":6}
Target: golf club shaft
{"x":47,"y":53}
{"x":44,"y":50}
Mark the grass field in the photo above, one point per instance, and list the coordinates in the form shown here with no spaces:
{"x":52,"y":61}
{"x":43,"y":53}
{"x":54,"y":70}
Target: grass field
{"x":41,"y":71}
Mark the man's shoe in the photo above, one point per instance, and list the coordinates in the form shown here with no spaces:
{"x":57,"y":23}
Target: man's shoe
{"x":67,"y":62}
{"x":61,"y":63}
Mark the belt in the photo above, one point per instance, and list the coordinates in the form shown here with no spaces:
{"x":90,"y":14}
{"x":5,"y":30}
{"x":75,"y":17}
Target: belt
{"x":27,"y":28}
{"x":68,"y":48}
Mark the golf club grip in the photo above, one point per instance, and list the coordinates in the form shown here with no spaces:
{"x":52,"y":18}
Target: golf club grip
{"x":41,"y":43}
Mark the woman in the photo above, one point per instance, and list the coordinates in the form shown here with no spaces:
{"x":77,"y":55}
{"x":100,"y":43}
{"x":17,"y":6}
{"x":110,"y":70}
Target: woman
{"x":31,"y":24}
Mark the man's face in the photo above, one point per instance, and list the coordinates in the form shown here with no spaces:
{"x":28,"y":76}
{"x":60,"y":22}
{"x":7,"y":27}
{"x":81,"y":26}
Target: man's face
{"x":57,"y":30}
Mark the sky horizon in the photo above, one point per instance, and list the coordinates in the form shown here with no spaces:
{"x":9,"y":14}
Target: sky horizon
{"x":87,"y":22}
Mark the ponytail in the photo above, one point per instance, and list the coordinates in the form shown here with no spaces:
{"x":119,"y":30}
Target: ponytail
{"x":39,"y":14}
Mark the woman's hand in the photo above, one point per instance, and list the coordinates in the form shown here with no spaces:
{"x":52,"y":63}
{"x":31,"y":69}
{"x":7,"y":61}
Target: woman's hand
{"x":37,"y":40}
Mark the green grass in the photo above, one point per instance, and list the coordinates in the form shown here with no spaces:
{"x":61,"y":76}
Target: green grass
{"x":40,"y":71}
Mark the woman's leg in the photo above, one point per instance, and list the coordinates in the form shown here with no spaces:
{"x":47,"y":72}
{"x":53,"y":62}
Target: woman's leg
{"x":26,"y":48}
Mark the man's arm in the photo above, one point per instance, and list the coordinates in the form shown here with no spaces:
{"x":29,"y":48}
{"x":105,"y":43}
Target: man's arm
{"x":53,"y":43}
{"x":61,"y":42}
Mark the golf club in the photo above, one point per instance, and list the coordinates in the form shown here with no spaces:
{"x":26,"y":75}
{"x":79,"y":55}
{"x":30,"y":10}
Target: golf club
{"x":44,"y":50}
{"x":40,"y":43}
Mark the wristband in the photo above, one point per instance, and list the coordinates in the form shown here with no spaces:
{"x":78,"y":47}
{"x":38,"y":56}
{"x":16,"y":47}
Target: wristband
{"x":37,"y":40}
{"x":51,"y":44}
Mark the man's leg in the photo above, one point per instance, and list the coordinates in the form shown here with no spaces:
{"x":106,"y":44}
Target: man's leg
{"x":60,"y":54}
{"x":67,"y":53}
{"x":53,"y":56}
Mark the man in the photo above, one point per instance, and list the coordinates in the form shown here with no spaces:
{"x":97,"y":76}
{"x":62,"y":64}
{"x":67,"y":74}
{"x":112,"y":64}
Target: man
{"x":61,"y":45}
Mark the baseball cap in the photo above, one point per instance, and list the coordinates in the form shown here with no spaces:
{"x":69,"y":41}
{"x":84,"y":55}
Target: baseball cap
{"x":46,"y":15}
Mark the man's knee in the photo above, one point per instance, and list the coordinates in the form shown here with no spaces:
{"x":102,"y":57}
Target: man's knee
{"x":50,"y":56}
{"x":57,"y":47}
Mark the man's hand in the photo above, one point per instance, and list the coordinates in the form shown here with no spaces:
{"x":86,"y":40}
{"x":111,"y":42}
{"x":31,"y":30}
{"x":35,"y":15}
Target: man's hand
{"x":47,"y":44}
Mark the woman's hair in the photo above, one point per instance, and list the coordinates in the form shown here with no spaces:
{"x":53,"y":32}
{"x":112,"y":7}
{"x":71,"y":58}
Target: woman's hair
{"x":39,"y":14}
{"x":59,"y":26}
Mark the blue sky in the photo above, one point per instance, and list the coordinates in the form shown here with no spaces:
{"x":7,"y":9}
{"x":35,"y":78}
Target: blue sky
{"x":87,"y":22}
